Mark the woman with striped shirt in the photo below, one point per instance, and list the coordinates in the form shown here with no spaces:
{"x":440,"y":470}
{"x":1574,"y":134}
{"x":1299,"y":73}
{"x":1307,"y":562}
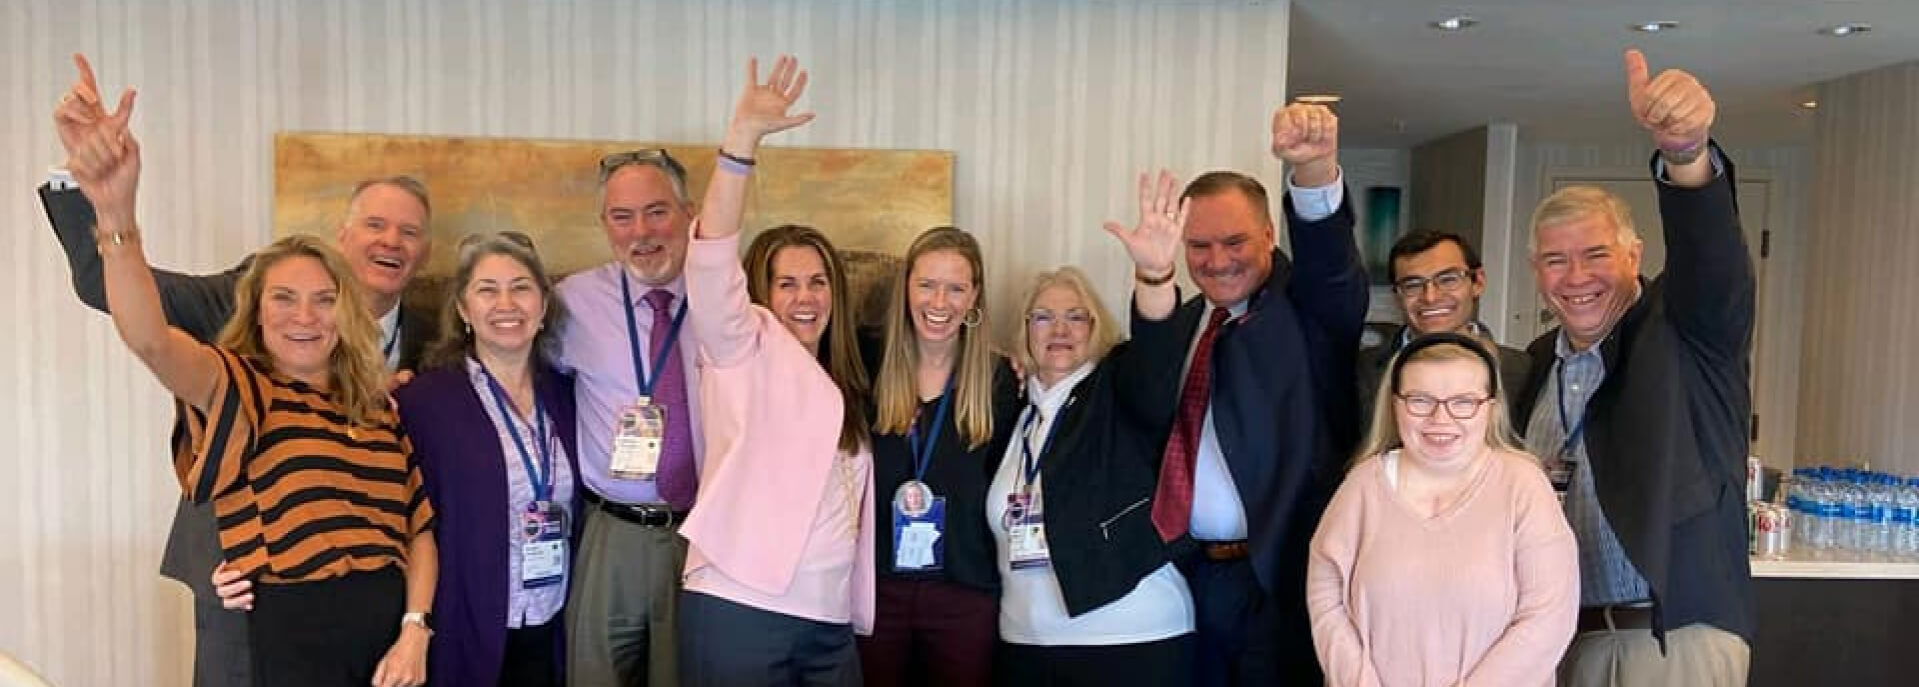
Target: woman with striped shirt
{"x":291,"y":437}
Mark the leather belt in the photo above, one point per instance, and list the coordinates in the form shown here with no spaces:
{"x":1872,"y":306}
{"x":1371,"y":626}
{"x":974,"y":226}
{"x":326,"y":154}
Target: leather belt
{"x":1223,"y":551}
{"x":1608,"y":618}
{"x":654,"y":515}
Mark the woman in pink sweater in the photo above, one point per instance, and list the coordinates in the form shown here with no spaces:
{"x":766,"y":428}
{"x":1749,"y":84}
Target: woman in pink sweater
{"x":1444,"y":558}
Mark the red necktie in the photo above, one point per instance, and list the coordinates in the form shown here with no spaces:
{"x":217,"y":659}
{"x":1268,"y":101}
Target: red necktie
{"x":1173,"y":501}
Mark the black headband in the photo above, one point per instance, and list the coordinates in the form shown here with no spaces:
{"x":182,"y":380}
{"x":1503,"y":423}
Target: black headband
{"x":1469,"y":343}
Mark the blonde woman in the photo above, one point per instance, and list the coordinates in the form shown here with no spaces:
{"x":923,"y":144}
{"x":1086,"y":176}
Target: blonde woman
{"x":943,"y":404}
{"x":290,"y":435}
{"x":1444,"y":558}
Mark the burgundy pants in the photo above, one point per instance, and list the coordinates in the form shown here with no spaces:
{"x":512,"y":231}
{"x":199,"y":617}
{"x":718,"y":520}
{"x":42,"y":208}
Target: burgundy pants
{"x":932,"y":633}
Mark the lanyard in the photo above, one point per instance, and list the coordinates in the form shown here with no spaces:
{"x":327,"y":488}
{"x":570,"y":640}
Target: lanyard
{"x":633,"y":339}
{"x":540,"y":475}
{"x":1029,"y":463}
{"x":923,"y":453}
{"x":1574,"y":431}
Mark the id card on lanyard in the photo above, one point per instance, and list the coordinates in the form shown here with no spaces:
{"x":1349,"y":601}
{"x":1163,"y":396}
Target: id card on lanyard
{"x":640,"y":434}
{"x":919,"y":515}
{"x":542,"y":534}
{"x":1560,"y":469}
{"x":1025,"y":519}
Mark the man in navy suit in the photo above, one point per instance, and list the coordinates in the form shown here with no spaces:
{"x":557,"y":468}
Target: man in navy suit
{"x":1267,"y":413}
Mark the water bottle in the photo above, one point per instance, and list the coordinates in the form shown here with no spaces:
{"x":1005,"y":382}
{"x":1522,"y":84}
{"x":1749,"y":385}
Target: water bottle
{"x":1824,"y":508}
{"x":1795,"y":506}
{"x":1905,"y":520}
{"x":1879,"y":525}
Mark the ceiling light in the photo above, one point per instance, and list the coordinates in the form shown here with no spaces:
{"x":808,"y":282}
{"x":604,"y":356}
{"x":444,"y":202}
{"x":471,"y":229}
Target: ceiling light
{"x":1810,"y":104}
{"x":1654,"y":26}
{"x":1844,"y":30}
{"x":1318,"y":99}
{"x":1458,"y":23}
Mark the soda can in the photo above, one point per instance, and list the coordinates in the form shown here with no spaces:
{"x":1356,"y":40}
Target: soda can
{"x":1755,"y":479}
{"x":1773,"y":540}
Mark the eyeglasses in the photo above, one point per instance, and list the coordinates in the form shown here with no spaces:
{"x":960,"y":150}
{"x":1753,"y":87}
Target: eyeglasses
{"x":1457,"y":407}
{"x":1447,"y":282}
{"x":1045,"y":319}
{"x":657,"y":157}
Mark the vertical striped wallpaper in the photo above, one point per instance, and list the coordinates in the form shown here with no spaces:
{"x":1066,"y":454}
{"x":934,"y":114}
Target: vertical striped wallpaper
{"x":1859,"y":381}
{"x":1050,"y":105}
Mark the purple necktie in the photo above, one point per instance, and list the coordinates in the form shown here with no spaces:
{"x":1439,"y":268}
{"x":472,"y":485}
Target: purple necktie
{"x":677,"y":480}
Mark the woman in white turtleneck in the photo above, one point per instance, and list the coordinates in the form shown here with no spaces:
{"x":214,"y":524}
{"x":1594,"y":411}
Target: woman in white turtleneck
{"x":1088,"y":595}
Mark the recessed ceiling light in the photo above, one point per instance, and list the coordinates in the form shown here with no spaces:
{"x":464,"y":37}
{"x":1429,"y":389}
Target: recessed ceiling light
{"x":1318,"y":99}
{"x":1654,"y":26}
{"x":1458,"y":23}
{"x":1810,"y":104}
{"x":1844,"y":30}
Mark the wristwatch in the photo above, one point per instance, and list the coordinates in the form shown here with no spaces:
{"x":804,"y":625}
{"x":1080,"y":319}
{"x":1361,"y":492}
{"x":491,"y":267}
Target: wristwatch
{"x":424,"y":619}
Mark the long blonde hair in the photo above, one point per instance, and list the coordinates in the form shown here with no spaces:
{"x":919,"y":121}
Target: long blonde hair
{"x":356,"y":372}
{"x":1443,"y":347}
{"x":896,"y":391}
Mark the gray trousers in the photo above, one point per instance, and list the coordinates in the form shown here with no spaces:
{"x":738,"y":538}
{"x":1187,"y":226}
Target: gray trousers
{"x":221,"y":657}
{"x":622,"y":607}
{"x":1696,"y":655}
{"x":726,"y":644}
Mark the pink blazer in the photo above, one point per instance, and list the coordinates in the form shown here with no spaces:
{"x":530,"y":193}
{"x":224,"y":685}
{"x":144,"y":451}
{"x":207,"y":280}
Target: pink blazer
{"x":771,"y":418}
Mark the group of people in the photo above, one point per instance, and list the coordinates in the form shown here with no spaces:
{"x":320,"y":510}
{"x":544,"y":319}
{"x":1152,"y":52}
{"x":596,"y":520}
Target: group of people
{"x":688,"y":467}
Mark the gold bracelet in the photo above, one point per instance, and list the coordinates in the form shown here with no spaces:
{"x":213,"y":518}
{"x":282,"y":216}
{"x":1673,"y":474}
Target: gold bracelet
{"x":1154,"y":281}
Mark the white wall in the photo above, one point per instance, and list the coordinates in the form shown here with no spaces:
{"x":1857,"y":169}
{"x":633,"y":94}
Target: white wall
{"x":1777,"y":353}
{"x":1860,"y":382}
{"x":1051,"y":106}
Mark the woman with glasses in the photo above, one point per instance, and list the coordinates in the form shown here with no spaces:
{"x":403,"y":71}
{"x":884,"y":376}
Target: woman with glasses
{"x":1089,"y":596}
{"x":493,"y":427}
{"x":1444,"y":558}
{"x":943,"y":403}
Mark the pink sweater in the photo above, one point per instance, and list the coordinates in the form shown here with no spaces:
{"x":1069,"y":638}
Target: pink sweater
{"x":1486,"y":593}
{"x":783,"y":522}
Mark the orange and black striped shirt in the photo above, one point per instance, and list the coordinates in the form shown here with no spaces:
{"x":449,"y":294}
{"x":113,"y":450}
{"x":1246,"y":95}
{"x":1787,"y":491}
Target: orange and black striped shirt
{"x":299,"y":494}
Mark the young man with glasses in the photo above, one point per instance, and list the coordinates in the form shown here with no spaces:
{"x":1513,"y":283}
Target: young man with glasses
{"x":639,"y":442}
{"x":1437,"y":281}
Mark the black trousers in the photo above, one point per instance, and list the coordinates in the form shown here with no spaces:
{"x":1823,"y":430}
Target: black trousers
{"x":330,"y":633}
{"x":726,"y":644}
{"x":532,"y":656}
{"x":1166,"y":662}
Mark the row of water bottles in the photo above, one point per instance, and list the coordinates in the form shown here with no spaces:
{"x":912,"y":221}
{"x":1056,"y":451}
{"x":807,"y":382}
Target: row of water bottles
{"x":1853,"y":514}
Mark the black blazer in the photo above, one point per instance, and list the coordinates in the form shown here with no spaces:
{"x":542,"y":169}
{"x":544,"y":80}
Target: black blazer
{"x":1667,"y":431}
{"x":198,"y":304}
{"x":1101,"y":469}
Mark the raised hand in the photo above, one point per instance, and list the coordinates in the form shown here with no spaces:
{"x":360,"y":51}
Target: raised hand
{"x":1306,"y":136}
{"x":762,"y":108}
{"x":1154,"y":242}
{"x":1673,"y":106}
{"x":79,"y":109}
{"x":102,"y":153}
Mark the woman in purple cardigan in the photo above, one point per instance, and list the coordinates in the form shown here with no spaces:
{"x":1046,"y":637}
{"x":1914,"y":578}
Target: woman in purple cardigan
{"x":492,"y":427}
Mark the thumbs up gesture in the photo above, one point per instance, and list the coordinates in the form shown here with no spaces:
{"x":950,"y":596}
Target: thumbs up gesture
{"x":1673,"y":106}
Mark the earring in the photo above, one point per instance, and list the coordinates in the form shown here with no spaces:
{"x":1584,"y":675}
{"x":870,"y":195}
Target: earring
{"x":973,"y":317}
{"x":468,"y":326}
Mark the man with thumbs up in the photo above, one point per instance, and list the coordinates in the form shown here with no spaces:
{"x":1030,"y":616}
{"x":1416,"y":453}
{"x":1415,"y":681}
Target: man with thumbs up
{"x":1638,"y":405}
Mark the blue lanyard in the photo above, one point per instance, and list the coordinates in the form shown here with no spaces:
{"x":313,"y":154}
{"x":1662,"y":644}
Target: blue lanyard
{"x":1028,"y":461}
{"x":386,"y":352}
{"x":1573,"y":433}
{"x":541,"y":475}
{"x":923,"y":453}
{"x":633,"y":338}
